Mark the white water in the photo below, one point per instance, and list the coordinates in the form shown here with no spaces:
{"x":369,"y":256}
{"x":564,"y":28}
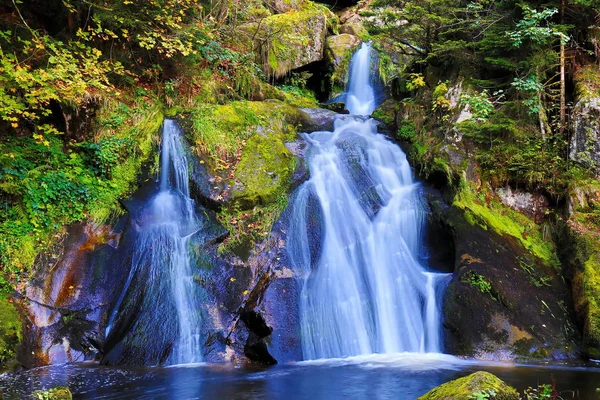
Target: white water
{"x":168,"y":223}
{"x":367,"y":291}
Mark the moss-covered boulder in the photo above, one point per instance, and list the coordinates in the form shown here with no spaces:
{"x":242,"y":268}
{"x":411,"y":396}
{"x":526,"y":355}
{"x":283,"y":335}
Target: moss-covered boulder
{"x":338,"y":53}
{"x":57,"y":393}
{"x":507,"y":299}
{"x":264,"y":170}
{"x":470,"y":386}
{"x":242,"y":145}
{"x":290,"y":40}
{"x":10,"y":334}
{"x":339,"y":47}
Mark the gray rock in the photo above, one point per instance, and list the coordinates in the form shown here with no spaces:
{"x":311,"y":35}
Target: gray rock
{"x":585,"y":142}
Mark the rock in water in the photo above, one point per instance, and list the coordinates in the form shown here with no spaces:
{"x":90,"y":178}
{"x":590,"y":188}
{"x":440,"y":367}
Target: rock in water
{"x":467,"y":387}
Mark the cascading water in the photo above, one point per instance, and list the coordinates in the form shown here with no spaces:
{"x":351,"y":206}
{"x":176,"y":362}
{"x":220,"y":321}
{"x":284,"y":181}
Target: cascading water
{"x":161,"y":251}
{"x":367,"y":290}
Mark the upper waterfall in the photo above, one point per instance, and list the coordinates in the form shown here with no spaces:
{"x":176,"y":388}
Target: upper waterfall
{"x":367,"y":289}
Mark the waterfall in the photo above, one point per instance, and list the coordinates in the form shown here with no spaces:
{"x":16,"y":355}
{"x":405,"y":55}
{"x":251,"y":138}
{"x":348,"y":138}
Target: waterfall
{"x":366,"y":290}
{"x":166,"y":225}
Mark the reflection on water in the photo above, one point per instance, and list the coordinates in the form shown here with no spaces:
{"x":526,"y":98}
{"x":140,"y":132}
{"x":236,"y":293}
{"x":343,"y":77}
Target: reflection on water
{"x":396,"y":376}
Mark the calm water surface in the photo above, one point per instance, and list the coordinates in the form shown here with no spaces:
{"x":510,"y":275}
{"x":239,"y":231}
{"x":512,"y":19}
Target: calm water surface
{"x":399,"y":376}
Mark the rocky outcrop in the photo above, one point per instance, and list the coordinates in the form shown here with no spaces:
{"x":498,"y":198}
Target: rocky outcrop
{"x":340,"y":47}
{"x":503,"y":302}
{"x":480,"y":383}
{"x":69,"y":295}
{"x":284,"y":42}
{"x":532,"y":205}
{"x":253,"y":168}
{"x":584,"y":146}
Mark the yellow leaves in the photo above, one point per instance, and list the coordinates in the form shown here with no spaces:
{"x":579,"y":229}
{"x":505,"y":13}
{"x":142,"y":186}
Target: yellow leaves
{"x":232,"y":279}
{"x":127,"y":2}
{"x":14,"y":125}
{"x":245,"y":292}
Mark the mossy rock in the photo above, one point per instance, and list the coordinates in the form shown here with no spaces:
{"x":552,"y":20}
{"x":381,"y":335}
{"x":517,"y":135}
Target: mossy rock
{"x":264,"y":171}
{"x":340,"y":46}
{"x":284,"y":42}
{"x":10,"y":334}
{"x":57,"y":393}
{"x":586,"y":289}
{"x":468,"y":386}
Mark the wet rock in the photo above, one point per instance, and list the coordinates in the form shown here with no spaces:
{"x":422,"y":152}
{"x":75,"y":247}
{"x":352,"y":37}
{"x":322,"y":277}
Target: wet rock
{"x":318,"y":119}
{"x":69,"y":296}
{"x":338,"y":107}
{"x":503,"y":303}
{"x":468,"y":386}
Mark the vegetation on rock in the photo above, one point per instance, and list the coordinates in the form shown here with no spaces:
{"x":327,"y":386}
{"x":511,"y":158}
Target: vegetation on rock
{"x":480,"y":385}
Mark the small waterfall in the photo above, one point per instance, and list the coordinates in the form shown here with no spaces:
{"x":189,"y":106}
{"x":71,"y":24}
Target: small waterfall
{"x":165,"y":227}
{"x":366,"y":289}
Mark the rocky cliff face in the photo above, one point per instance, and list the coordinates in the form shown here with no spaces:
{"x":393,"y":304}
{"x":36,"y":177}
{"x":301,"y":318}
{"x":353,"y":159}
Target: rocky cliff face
{"x":584,"y":147}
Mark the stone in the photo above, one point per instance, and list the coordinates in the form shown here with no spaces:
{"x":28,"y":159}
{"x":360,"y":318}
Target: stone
{"x":284,"y":42}
{"x":503,"y":303}
{"x":585,"y":142}
{"x":339,"y":47}
{"x":353,"y":26}
{"x":532,"y":205}
{"x":319,"y":119}
{"x":468,"y":386}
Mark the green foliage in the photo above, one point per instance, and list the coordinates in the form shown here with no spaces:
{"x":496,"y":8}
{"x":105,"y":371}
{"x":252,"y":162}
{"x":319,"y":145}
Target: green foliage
{"x":57,"y":393}
{"x":407,"y":131}
{"x":52,"y":184}
{"x":480,"y":283}
{"x":415,"y":82}
{"x":10,"y":332}
{"x":479,"y":104}
{"x":532,"y":28}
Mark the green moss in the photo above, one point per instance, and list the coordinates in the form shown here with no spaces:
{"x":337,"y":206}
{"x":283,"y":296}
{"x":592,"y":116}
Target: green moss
{"x":221,"y":131}
{"x":288,"y":40}
{"x":57,"y":393}
{"x":297,"y":97}
{"x":505,"y":221}
{"x":142,"y":127}
{"x":586,"y":288}
{"x":10,"y":333}
{"x":587,"y":82}
{"x":468,"y":386}
{"x":264,"y":170}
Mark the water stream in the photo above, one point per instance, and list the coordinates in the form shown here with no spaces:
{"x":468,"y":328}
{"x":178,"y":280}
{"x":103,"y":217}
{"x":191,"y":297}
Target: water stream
{"x":162,"y":248}
{"x":368,"y":291}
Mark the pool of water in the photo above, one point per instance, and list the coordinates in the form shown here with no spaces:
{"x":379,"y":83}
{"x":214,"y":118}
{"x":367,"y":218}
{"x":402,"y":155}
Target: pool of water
{"x":400,"y":376}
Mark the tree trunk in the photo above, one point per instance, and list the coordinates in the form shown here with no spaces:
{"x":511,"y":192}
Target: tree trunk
{"x":563,"y":102}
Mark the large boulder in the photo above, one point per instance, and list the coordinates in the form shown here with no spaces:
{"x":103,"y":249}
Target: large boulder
{"x":241,"y":148}
{"x":488,"y":386}
{"x":338,"y":53}
{"x":284,"y":42}
{"x":340,"y":47}
{"x":506,"y":300}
